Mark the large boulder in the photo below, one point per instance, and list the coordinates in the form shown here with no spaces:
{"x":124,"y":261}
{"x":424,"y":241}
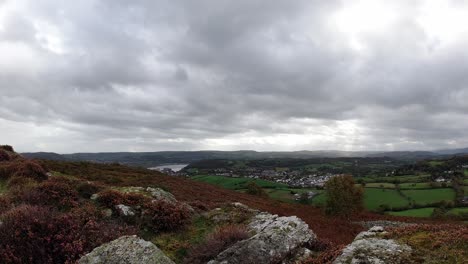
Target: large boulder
{"x":276,"y":239}
{"x":126,"y":250}
{"x":370,"y":248}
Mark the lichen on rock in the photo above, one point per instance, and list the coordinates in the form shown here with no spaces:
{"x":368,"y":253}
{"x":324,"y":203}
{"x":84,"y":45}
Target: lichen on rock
{"x":128,"y":250}
{"x":275,"y":240}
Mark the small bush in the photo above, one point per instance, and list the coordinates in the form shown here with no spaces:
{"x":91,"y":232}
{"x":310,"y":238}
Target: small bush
{"x":164,"y":216}
{"x":4,"y":155}
{"x":30,"y":169}
{"x":87,"y":189}
{"x":50,"y":193}
{"x":111,"y":198}
{"x":215,"y":243}
{"x":254,"y":189}
{"x":5,"y":203}
{"x":7,"y":148}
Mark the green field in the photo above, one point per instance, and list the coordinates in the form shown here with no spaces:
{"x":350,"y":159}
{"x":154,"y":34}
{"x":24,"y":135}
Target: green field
{"x":373,"y":198}
{"x":458,"y":211}
{"x":435,"y":163}
{"x":285,"y":195}
{"x":393,"y":179}
{"x":385,"y":185}
{"x":421,"y":212}
{"x":319,"y":200}
{"x":430,"y":195}
{"x":415,"y":185}
{"x":236,"y":183}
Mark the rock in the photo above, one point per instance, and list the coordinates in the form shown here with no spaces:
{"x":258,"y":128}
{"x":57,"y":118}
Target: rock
{"x":107,"y":212}
{"x":160,"y":194}
{"x":128,"y":250}
{"x":125,"y":210}
{"x":94,"y":197}
{"x":374,"y":231}
{"x":369,"y":248}
{"x":383,"y":223}
{"x":275,"y":240}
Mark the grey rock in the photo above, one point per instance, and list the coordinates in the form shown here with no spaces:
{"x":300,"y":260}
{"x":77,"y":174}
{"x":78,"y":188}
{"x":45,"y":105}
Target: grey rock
{"x":374,"y":231}
{"x":369,"y":248}
{"x":160,"y":194}
{"x":275,"y":240}
{"x":125,"y":210}
{"x":126,"y":250}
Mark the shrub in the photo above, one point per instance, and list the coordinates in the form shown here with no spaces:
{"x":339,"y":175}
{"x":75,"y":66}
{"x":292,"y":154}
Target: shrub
{"x":87,"y":189}
{"x":30,"y":169}
{"x":343,"y":197}
{"x":34,"y":234}
{"x":215,"y":243}
{"x":111,"y":198}
{"x":164,"y":216}
{"x":5,"y":203}
{"x":50,"y":193}
{"x":254,"y":189}
{"x":7,"y":148}
{"x":4,"y":155}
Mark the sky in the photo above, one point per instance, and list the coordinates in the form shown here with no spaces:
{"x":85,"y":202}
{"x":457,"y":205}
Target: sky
{"x":150,"y":75}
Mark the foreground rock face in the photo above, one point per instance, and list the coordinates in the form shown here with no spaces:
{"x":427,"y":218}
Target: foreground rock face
{"x":128,"y":250}
{"x":275,"y":240}
{"x":369,"y":248}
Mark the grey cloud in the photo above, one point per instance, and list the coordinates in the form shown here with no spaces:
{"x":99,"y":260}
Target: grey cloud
{"x":153,"y":75}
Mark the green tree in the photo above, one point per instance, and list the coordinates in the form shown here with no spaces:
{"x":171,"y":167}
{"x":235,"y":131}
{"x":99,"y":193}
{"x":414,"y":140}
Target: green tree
{"x":343,"y":197}
{"x":254,"y":189}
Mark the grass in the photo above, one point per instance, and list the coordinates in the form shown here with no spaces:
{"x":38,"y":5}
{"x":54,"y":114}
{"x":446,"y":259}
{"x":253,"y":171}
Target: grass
{"x":420,"y":212}
{"x":374,"y":197}
{"x":430,"y":195}
{"x":393,"y":179}
{"x":285,"y":195}
{"x":458,"y":211}
{"x":236,"y":183}
{"x":415,"y":185}
{"x":435,"y":163}
{"x":385,"y":185}
{"x":176,"y":244}
{"x":466,"y":172}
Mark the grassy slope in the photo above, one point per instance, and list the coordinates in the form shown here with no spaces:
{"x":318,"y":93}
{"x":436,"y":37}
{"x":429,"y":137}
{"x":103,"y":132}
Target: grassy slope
{"x":430,"y":195}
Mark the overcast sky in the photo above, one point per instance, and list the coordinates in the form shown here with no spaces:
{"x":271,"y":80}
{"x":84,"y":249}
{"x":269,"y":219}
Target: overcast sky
{"x":148,"y":75}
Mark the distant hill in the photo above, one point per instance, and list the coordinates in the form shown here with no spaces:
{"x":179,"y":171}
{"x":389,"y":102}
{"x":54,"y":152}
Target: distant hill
{"x":151,"y":159}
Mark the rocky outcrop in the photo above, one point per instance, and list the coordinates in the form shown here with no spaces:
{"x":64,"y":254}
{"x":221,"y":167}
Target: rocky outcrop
{"x":275,"y":239}
{"x":369,"y":247}
{"x":155,"y":193}
{"x":128,"y":250}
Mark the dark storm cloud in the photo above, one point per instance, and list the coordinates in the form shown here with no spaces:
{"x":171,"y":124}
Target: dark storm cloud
{"x":153,"y":75}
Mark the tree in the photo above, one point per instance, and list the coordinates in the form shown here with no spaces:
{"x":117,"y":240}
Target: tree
{"x":254,"y":189}
{"x":343,"y":197}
